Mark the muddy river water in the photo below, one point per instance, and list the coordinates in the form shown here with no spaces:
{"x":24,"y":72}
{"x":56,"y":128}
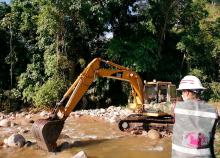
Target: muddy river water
{"x":97,"y":138}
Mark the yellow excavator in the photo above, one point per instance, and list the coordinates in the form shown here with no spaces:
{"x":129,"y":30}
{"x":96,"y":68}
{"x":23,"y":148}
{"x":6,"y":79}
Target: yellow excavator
{"x":47,"y":131}
{"x":157,"y":110}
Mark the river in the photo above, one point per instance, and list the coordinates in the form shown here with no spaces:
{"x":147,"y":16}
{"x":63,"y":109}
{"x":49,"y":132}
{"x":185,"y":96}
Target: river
{"x":96,"y":137}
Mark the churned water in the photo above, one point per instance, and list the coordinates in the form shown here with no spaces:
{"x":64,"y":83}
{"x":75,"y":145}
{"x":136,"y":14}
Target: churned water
{"x":97,"y":138}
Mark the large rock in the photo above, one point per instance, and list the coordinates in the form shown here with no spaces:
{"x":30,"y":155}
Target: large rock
{"x":5,"y":123}
{"x":15,"y":140}
{"x":80,"y":154}
{"x":44,"y":113}
{"x":153,"y":134}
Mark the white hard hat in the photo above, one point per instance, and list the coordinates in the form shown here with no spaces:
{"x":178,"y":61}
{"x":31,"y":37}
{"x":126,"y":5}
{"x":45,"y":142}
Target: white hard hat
{"x":190,"y":82}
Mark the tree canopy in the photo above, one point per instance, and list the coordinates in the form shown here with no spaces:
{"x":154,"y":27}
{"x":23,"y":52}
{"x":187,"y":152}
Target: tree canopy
{"x":45,"y":44}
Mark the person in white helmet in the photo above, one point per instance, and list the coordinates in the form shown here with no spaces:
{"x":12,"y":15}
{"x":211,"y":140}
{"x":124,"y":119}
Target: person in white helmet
{"x":195,"y":121}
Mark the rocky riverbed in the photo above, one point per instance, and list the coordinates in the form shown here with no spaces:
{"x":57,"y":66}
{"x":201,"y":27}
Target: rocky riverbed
{"x":87,"y":133}
{"x":16,"y":132}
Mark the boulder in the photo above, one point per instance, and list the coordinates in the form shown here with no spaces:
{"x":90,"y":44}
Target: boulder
{"x":153,"y":134}
{"x":5,"y":123}
{"x":23,"y":114}
{"x":44,"y":113}
{"x":102,"y":110}
{"x":15,"y":140}
{"x":28,"y":116}
{"x":80,"y":154}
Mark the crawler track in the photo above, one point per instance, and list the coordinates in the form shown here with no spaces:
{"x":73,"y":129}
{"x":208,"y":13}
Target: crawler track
{"x":148,"y":122}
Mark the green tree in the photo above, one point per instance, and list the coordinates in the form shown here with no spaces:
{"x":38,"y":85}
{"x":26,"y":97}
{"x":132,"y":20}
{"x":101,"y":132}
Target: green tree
{"x":4,"y":47}
{"x":200,"y":45}
{"x":46,"y":44}
{"x":134,"y":44}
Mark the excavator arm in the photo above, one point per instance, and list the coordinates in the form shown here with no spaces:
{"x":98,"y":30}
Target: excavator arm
{"x":42,"y":128}
{"x":93,"y":70}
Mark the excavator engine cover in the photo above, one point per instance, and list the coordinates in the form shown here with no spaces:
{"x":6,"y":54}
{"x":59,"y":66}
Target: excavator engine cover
{"x":46,"y":133}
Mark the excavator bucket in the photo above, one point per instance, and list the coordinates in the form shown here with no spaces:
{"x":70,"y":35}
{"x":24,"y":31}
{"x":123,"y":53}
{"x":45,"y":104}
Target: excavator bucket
{"x":46,"y":133}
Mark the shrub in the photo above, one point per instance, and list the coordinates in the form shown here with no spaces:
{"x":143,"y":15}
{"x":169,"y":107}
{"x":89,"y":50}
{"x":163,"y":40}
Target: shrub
{"x":50,"y":92}
{"x":215,"y":91}
{"x":10,"y":100}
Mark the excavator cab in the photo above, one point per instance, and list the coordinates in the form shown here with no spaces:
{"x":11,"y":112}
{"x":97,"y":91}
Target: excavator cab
{"x":159,"y":96}
{"x":155,"y":92}
{"x":159,"y":91}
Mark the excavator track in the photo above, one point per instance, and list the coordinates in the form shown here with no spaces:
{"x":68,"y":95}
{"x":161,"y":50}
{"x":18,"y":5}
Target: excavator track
{"x":148,"y":122}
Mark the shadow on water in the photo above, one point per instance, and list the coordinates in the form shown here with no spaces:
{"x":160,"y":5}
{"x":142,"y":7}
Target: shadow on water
{"x":82,"y":143}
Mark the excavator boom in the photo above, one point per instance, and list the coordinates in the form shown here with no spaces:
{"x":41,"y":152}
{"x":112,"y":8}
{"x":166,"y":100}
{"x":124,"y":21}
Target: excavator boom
{"x":47,"y":131}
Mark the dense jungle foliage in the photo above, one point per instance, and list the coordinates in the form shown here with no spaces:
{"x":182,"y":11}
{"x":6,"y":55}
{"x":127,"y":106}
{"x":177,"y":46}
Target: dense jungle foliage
{"x":45,"y":44}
